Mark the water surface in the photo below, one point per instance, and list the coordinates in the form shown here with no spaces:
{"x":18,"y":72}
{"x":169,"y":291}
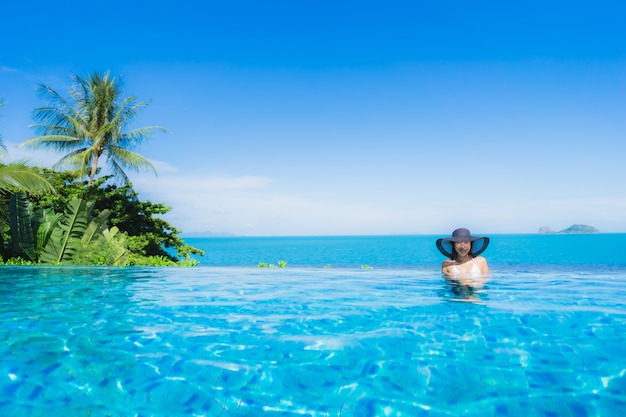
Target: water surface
{"x":229,"y":341}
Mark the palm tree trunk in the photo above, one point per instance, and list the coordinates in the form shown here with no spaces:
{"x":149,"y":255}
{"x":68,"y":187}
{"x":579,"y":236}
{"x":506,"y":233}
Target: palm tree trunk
{"x":94,"y":169}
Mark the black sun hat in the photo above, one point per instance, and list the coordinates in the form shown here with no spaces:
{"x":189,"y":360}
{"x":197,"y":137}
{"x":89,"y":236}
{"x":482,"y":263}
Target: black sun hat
{"x":479,"y":243}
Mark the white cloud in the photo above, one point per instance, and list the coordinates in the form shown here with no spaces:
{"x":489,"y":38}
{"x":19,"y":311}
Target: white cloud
{"x":7,"y":69}
{"x":251,"y":205}
{"x":179,"y":183}
{"x":607,"y":214}
{"x":254,"y":205}
{"x":41,"y":157}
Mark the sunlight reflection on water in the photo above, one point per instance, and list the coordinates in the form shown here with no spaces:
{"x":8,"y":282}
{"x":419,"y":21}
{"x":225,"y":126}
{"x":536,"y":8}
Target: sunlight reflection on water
{"x":205,"y":341}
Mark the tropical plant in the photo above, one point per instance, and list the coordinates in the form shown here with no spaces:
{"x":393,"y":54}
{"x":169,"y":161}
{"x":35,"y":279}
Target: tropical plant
{"x":281,"y":264}
{"x":147,"y":235}
{"x":17,"y":177}
{"x":91,"y":124}
{"x":73,"y":236}
{"x":105,"y":248}
{"x":16,"y":262}
{"x":20,"y":175}
{"x":70,"y":233}
{"x":22,"y":225}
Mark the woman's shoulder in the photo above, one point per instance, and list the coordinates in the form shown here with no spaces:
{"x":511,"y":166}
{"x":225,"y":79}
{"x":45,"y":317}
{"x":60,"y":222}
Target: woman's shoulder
{"x":480,"y":259}
{"x":447,"y":262}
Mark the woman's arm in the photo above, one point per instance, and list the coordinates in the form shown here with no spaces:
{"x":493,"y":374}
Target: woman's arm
{"x":446,"y":265}
{"x":482,"y":264}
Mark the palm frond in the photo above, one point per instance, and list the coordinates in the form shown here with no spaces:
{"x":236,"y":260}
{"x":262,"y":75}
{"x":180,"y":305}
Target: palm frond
{"x":129,"y":159}
{"x":52,"y":129}
{"x":79,"y":159}
{"x":57,"y":142}
{"x":118,"y":172}
{"x":137,"y":136}
{"x":22,"y":176}
{"x":58,"y":107}
{"x":128,"y":110}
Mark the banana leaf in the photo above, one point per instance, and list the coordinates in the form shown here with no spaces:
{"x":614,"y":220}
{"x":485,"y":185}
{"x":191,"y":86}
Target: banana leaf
{"x":22,"y":232}
{"x":95,"y":228}
{"x":120,"y":257}
{"x":48,"y":223}
{"x":65,"y":239}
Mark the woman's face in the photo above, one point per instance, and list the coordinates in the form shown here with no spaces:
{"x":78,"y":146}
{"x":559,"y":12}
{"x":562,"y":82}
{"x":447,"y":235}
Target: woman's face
{"x":462,"y":248}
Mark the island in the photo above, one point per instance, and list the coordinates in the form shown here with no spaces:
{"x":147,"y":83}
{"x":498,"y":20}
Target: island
{"x":575,"y":229}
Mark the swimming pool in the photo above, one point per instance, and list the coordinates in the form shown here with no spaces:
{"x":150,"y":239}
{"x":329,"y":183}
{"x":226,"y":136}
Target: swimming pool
{"x":233,"y":341}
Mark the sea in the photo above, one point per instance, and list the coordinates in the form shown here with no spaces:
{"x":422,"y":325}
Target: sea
{"x":505,"y":252}
{"x":322,"y":326}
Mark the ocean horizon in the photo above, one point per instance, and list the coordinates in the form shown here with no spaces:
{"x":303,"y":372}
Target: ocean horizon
{"x":409,"y":251}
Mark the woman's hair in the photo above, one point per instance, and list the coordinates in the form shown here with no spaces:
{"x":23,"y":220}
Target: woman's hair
{"x":470,"y":253}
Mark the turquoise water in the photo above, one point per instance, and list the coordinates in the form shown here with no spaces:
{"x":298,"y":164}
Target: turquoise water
{"x":516,"y":251}
{"x":539,"y":340}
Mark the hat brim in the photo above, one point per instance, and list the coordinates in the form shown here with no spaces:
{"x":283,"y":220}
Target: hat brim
{"x":479,"y":244}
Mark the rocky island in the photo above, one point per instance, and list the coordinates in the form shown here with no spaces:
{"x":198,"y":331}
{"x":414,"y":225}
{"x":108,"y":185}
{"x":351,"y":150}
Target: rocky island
{"x":573,"y":229}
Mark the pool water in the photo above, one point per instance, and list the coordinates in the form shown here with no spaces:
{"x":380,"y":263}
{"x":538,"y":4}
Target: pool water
{"x":235,"y":341}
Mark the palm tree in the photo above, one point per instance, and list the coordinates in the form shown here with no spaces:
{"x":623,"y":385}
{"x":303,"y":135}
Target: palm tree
{"x":91,"y":124}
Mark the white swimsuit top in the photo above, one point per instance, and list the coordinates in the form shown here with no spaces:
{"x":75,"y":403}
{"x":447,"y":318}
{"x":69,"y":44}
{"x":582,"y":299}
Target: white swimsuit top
{"x":474,"y":272}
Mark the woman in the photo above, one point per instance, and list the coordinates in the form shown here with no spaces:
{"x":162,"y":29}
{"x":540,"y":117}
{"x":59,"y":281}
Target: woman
{"x":463,"y":250}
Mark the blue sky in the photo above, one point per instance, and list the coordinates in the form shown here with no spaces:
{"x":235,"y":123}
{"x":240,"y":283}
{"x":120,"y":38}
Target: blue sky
{"x":334,"y":118}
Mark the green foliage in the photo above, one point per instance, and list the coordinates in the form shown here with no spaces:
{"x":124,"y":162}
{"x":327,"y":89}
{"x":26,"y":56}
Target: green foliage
{"x":21,"y":176}
{"x":107,"y":248}
{"x":151,"y":261}
{"x":159,"y":261}
{"x":188,"y":262}
{"x":21,"y":222}
{"x":281,"y":264}
{"x":66,"y":234}
{"x":146,"y":234}
{"x":16,"y":177}
{"x":79,"y":238}
{"x":47,"y":224}
{"x":16,"y":262}
{"x":71,"y":226}
{"x":73,"y":237}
